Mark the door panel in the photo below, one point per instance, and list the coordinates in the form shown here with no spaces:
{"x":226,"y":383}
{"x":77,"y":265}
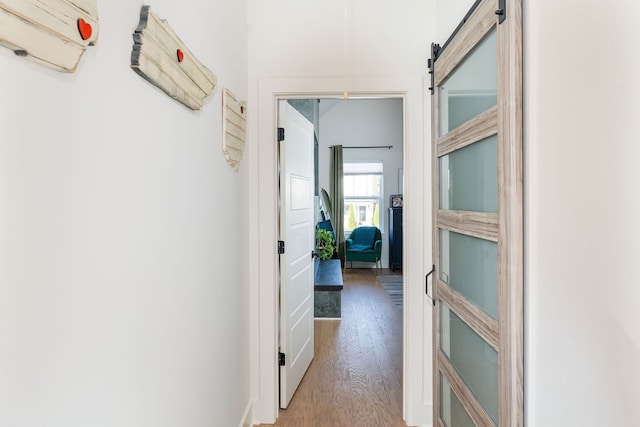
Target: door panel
{"x":296,"y":264}
{"x":470,"y":266}
{"x":477,"y":195}
{"x":469,"y":177}
{"x":471,"y":88}
{"x":453,"y":413}
{"x":475,"y":361}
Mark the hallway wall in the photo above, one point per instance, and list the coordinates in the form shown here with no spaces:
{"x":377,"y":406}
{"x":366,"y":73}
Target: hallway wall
{"x":583,"y":213}
{"x":122,"y":298}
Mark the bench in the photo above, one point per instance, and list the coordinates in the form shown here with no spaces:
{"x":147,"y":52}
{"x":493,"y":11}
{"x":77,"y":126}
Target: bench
{"x":327,"y":288}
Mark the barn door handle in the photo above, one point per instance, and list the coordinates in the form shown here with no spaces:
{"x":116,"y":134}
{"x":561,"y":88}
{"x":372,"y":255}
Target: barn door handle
{"x":426,"y":284}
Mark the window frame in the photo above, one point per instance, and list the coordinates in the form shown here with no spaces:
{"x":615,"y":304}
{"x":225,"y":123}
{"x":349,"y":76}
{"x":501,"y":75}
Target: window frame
{"x":379,"y":199}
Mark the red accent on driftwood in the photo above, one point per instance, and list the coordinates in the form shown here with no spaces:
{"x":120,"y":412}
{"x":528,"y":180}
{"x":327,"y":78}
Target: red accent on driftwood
{"x":180,"y":55}
{"x":85,"y":29}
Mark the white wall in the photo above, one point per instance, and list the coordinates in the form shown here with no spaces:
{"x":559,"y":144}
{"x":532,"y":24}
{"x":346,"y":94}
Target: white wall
{"x":324,"y":48}
{"x":366,"y":122}
{"x":122,"y":298}
{"x":582,"y":233}
{"x":582,"y":213}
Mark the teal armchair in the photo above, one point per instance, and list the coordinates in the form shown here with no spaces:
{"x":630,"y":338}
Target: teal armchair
{"x":365,"y":244}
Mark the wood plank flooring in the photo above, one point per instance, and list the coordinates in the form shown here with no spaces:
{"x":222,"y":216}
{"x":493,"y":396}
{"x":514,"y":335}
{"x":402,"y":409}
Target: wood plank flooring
{"x":355,"y":378}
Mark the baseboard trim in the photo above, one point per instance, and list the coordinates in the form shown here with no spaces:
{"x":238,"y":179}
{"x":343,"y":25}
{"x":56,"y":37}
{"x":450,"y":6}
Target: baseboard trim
{"x":247,"y":417}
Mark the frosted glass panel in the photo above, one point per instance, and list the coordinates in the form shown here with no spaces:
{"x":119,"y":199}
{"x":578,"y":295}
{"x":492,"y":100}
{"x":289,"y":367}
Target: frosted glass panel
{"x":472,"y":88}
{"x":474,"y":360}
{"x":470,"y":266}
{"x":469,"y":177}
{"x":452,"y":412}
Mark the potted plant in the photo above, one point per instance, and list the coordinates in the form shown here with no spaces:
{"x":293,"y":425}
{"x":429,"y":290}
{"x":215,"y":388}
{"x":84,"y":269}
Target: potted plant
{"x":325,"y":244}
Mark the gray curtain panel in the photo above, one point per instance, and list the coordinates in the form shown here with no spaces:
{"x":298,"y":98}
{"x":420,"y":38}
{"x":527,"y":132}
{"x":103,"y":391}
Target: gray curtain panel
{"x":336,"y":192}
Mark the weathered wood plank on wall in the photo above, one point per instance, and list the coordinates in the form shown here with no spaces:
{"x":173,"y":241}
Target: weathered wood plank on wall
{"x":54,"y":33}
{"x":164,"y":60}
{"x":234,"y":124}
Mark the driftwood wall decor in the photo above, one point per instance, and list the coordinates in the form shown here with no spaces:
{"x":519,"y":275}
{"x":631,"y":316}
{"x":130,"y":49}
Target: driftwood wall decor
{"x":54,"y":33}
{"x":163,"y":59}
{"x":234,"y":124}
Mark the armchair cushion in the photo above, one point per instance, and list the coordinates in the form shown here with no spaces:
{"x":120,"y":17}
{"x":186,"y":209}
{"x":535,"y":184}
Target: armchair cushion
{"x":365,"y":244}
{"x":364,"y":237}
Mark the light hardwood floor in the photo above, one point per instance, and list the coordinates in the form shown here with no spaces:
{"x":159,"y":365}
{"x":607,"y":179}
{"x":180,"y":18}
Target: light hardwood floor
{"x":355,"y":378}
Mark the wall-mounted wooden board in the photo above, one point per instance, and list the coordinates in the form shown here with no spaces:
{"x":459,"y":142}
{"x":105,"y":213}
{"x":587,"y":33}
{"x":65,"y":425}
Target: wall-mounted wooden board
{"x":162,"y":58}
{"x":234,"y":125}
{"x":54,"y":33}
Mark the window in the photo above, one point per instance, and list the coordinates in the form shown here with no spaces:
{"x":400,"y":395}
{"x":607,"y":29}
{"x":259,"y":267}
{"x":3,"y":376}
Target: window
{"x":362,"y":194}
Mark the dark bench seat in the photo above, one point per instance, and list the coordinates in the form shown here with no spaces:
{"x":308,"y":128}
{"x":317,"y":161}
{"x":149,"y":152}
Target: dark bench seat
{"x":328,"y":289}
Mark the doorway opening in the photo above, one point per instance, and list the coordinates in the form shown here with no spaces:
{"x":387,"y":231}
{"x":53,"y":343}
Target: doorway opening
{"x":416,"y":317}
{"x":371,"y":134}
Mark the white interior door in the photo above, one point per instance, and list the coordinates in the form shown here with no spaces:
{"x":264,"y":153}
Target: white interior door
{"x":296,"y":263}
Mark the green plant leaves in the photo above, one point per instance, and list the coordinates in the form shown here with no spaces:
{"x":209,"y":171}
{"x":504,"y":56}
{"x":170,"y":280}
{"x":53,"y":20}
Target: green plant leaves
{"x":325,"y":244}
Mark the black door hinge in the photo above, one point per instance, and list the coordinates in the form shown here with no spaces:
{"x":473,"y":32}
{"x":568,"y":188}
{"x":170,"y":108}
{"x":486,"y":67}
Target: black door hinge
{"x":280,"y":247}
{"x":502,"y":11}
{"x":281,"y":359}
{"x":280,"y":134}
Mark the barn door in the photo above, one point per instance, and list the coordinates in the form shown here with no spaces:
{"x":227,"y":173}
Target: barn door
{"x":477,"y":152}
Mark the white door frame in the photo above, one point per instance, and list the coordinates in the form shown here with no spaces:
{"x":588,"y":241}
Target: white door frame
{"x":262,"y":156}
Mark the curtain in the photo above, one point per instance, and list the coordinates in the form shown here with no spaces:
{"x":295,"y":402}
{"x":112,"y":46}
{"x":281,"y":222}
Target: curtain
{"x":336,"y":192}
